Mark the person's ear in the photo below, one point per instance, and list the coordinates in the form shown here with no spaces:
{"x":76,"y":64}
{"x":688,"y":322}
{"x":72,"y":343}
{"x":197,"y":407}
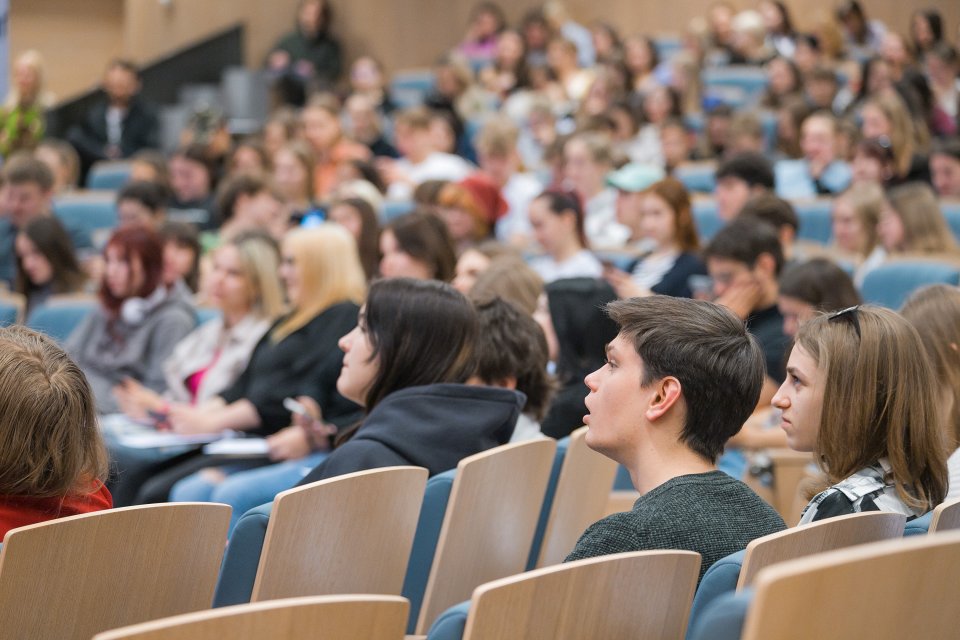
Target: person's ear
{"x":667,"y":392}
{"x":766,"y":264}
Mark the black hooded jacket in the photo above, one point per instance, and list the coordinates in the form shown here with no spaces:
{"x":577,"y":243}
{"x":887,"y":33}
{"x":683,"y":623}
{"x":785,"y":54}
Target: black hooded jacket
{"x":432,"y":426}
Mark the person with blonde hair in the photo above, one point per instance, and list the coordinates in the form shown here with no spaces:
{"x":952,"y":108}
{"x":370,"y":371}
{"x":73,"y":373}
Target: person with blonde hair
{"x":887,"y":119}
{"x":935,"y":312}
{"x":861,"y":395}
{"x":52,"y":459}
{"x":855,"y":215}
{"x":912,"y":223}
{"x":22,"y":118}
{"x":246,"y":291}
{"x":587,"y":159}
{"x":325,"y":284}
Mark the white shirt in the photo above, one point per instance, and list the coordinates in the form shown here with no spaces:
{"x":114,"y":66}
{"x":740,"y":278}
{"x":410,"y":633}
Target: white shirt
{"x":519,"y":192}
{"x":582,"y":264}
{"x":603,"y":230}
{"x":953,"y":471}
{"x":436,"y":166}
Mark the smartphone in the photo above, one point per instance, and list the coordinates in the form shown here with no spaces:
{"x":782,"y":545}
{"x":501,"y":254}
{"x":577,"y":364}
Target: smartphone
{"x":293,"y":406}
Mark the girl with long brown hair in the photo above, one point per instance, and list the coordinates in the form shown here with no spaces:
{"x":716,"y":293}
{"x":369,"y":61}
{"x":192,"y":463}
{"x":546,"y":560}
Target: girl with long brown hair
{"x":861,"y":395}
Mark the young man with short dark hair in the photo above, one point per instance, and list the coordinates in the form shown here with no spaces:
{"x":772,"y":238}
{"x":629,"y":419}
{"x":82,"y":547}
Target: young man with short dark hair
{"x":681,"y":378}
{"x":511,"y":352}
{"x":28,"y":194}
{"x":738,"y":179}
{"x":744,"y":261}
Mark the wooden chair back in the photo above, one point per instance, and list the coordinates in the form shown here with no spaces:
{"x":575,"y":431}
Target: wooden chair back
{"x":349,"y":534}
{"x":904,"y":588}
{"x":77,"y":576}
{"x":328,"y":617}
{"x":489,"y":524}
{"x":580,"y":498}
{"x":945,"y":517}
{"x":644,"y":594}
{"x":817,"y":537}
{"x":790,"y":469}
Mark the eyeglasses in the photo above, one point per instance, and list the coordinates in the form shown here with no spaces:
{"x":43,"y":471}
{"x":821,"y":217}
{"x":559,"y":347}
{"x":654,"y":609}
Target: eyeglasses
{"x":850,"y":314}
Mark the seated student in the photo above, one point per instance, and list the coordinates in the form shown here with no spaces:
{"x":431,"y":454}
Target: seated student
{"x":405,"y":363}
{"x":862,"y":396}
{"x":181,"y":259}
{"x":474,"y":261}
{"x":854,"y":218}
{"x":53,"y":459}
{"x":738,"y":178}
{"x":511,"y":352}
{"x":137,"y":323}
{"x":245,"y":289}
{"x":912,"y":223}
{"x":421,"y":160}
{"x":586,"y":162}
{"x":499,"y":159}
{"x":192,"y":171}
{"x":572,"y":318}
{"x":142,"y":202}
{"x":935,"y":313}
{"x":660,"y":216}
{"x":945,"y":167}
{"x":359,"y":217}
{"x":558,"y":227}
{"x":812,"y":287}
{"x":62,"y":160}
{"x":324,"y":282}
{"x":680,"y":379}
{"x":744,"y":260}
{"x":28,"y":190}
{"x":245,"y":203}
{"x":46,"y":263}
{"x":417,"y":245}
{"x":510,"y":278}
{"x":780,"y":215}
{"x":806,"y":289}
{"x":819,"y":171}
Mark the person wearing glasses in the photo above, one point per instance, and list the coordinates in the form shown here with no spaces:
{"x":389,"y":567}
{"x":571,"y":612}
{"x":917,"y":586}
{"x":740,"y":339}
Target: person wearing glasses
{"x":861,"y":395}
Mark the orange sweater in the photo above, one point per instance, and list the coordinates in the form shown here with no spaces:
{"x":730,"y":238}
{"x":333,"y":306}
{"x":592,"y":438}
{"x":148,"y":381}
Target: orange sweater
{"x":19,"y":511}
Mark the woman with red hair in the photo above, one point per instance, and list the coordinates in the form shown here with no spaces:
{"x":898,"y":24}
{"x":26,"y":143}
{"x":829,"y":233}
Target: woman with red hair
{"x":137,"y":323}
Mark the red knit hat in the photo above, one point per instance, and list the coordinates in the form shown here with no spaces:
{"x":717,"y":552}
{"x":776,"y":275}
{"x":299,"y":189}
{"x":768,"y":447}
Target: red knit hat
{"x":487,"y":195}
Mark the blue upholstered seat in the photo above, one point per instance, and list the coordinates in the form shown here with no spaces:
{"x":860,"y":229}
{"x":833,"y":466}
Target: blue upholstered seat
{"x":720,"y":579}
{"x":892,"y":283}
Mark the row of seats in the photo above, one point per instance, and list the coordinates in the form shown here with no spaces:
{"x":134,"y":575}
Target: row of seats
{"x":786,"y":585}
{"x":351,"y":534}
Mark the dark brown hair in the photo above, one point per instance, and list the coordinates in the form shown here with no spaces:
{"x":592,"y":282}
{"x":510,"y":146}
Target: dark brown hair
{"x":719,"y":365}
{"x":52,"y":240}
{"x":425,"y":237}
{"x":511,"y":345}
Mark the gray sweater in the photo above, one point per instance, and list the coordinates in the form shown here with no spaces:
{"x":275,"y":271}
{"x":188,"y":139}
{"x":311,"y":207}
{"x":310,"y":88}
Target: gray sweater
{"x":109,"y":350}
{"x":710,"y":513}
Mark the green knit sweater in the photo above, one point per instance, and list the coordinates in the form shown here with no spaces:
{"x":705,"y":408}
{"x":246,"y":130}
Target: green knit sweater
{"x":710,"y":513}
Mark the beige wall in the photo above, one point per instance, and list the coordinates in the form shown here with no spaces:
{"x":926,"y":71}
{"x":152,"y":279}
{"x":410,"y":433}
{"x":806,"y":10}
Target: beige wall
{"x":77,"y":37}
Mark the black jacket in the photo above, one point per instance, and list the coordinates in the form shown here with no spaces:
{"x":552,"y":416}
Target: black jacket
{"x":432,"y":426}
{"x":140,"y":130}
{"x":306,"y":362}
